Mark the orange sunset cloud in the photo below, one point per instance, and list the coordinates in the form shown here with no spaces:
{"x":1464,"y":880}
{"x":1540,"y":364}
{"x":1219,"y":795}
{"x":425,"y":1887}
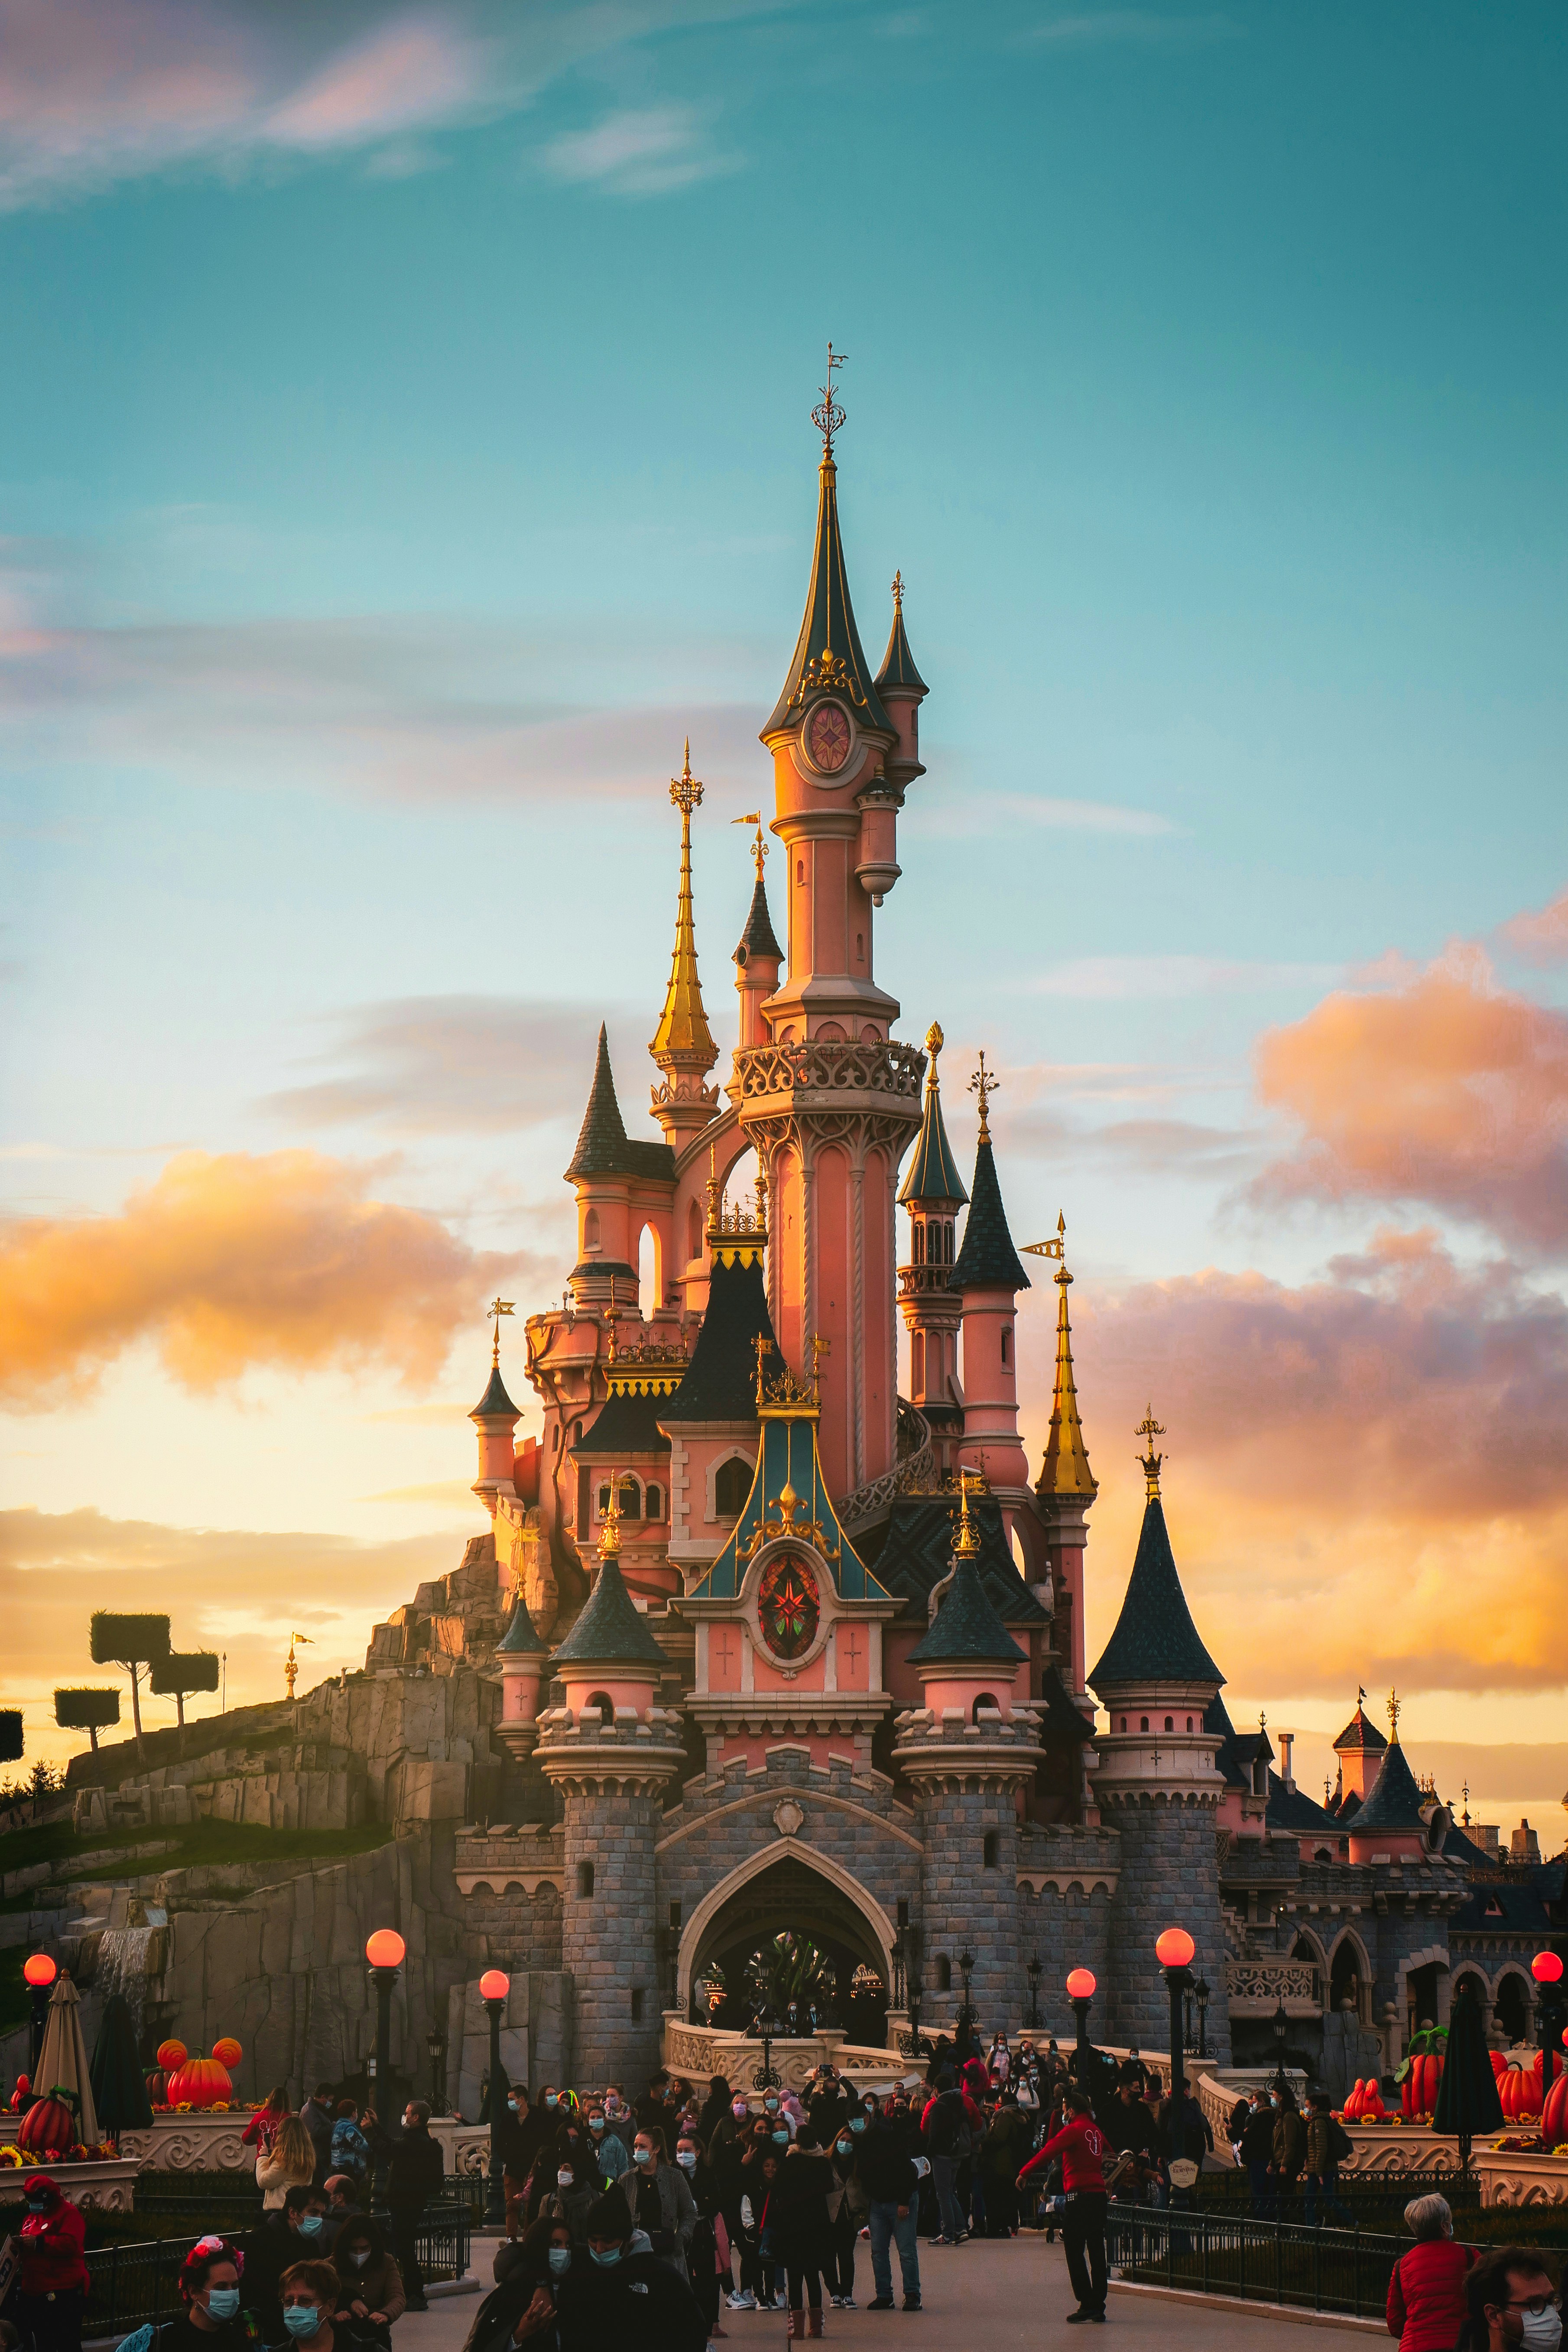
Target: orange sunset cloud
{"x":229,"y":1262}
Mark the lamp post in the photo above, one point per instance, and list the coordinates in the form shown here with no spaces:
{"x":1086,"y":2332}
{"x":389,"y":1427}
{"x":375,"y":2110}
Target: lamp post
{"x":1202,"y":1991}
{"x":1032,"y":1971}
{"x":1281,"y":2025}
{"x":384,"y":1951}
{"x":966,"y":2015}
{"x":1174,"y":1950}
{"x":38,"y":1972}
{"x":1080,"y":1992}
{"x":494,"y":1985}
{"x":1546,"y":1967}
{"x":435,"y":2049}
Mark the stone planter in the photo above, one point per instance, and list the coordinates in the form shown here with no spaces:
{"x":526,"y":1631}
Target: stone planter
{"x":111,"y":2185}
{"x":1521,"y":2176}
{"x":1389,"y":2149}
{"x":203,"y":2141}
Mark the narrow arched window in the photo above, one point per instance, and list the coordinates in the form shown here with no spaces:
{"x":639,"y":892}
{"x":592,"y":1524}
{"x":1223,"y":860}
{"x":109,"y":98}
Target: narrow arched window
{"x":631,"y":1499}
{"x":990,"y":1852}
{"x":591,"y":1230}
{"x":1189,"y":1723}
{"x":986,"y":1699}
{"x":944,"y":1974}
{"x":1006,"y":1345}
{"x":584,"y":1878}
{"x":732,"y":1484}
{"x":604,"y":1702}
{"x":1143,"y":1723}
{"x":653,"y":1503}
{"x":603,"y":1503}
{"x":1170,"y":1722}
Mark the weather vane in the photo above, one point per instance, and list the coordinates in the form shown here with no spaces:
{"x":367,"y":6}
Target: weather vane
{"x":1056,"y":1248}
{"x":291,"y":1664}
{"x":829,"y":416}
{"x":760,"y":846}
{"x":493,"y":1313}
{"x":985,"y":1084}
{"x":1395,"y":1709}
{"x":684,"y":790}
{"x":1148,"y":1429}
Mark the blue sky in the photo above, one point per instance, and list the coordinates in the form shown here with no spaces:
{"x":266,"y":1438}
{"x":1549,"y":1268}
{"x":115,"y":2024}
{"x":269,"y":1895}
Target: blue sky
{"x":407,"y":442}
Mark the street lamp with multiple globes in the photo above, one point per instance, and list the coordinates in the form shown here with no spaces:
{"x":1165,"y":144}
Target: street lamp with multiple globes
{"x":384,"y":1951}
{"x":1174,"y":1950}
{"x":494,"y":1987}
{"x":1546,"y":1967}
{"x":38,"y":1974}
{"x":1080,"y":1992}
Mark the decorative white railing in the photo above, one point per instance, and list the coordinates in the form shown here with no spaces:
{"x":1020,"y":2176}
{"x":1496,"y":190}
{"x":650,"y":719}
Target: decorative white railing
{"x":870,"y":1066}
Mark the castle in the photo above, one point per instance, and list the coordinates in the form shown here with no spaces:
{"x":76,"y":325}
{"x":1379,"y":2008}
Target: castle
{"x":753,"y":1644}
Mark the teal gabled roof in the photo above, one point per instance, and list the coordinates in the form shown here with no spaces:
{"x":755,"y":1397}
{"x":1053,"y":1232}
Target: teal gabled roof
{"x":611,"y":1630}
{"x":966,"y":1630}
{"x":789,"y":1457}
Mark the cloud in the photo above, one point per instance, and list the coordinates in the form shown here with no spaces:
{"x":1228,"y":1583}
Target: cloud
{"x":96,"y":91}
{"x":1541,"y":937}
{"x":1123,"y":977}
{"x":1444,"y":1088}
{"x":1365,"y":1477}
{"x":999,"y":812}
{"x":442,"y":1064}
{"x":639,"y":151}
{"x":229,"y":1262}
{"x":1135,"y":28}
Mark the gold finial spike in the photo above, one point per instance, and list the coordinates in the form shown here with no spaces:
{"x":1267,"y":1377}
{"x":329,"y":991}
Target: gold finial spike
{"x":291,"y":1664}
{"x":966,"y":1542}
{"x":1065,"y":1470}
{"x":827,"y":416}
{"x":759,"y":846}
{"x":819,"y":1347}
{"x":985,"y":1084}
{"x":686,"y":792}
{"x":715,"y":1189}
{"x":612,"y":1317}
{"x":764,"y":1347}
{"x":1148,"y":1429}
{"x":1395,"y":1709}
{"x":761,"y":1198}
{"x":898,"y":592}
{"x":935,"y":1041}
{"x":493,"y":1313}
{"x":610,"y":1525}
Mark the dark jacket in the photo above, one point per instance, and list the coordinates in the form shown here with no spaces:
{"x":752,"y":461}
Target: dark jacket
{"x":1258,"y":2140}
{"x":886,"y":2171}
{"x":678,"y":2211}
{"x":417,"y":2168}
{"x":270,"y":2249}
{"x":318,"y":2121}
{"x":1289,"y":2142}
{"x":520,"y":2139}
{"x":497,"y":2315}
{"x":797,"y":2210}
{"x":637,"y":2304}
{"x":1006,"y":2147}
{"x":947,"y":2125}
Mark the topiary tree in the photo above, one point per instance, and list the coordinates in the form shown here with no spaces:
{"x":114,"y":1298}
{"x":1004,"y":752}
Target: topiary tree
{"x":10,"y":1734}
{"x":130,"y":1642}
{"x":87,"y":1707}
{"x":183,"y":1673}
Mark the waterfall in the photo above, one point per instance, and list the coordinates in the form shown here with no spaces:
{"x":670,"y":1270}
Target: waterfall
{"x":126,"y":1958}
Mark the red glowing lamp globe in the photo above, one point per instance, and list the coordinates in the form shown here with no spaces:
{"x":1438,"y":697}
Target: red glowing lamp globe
{"x":1546,"y":1968}
{"x":385,"y":1948}
{"x":38,"y":1970}
{"x":1080,"y":1985}
{"x":1174,"y":1948}
{"x":494,"y":1985}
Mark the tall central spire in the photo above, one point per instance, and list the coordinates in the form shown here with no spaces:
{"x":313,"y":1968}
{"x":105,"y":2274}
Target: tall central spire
{"x":1066,"y":1469}
{"x":683,"y":1044}
{"x":829,"y":659}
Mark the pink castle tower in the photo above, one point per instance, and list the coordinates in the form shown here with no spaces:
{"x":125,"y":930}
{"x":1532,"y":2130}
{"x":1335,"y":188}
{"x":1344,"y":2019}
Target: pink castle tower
{"x":989,"y":1275}
{"x":932,"y":1192}
{"x":1066,"y":1486}
{"x":829,"y":1102}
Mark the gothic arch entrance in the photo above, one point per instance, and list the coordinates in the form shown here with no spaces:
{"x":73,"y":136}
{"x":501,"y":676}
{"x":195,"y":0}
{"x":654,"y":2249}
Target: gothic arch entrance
{"x":786,"y":1894}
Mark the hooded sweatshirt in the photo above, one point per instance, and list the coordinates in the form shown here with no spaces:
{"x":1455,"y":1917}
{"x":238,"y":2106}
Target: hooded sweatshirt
{"x":53,"y":2242}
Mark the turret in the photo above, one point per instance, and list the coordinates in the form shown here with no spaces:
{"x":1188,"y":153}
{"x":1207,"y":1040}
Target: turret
{"x":758,"y":955}
{"x":1066,"y":1487}
{"x":1396,"y":1823}
{"x":621,"y":1187}
{"x":932,"y":1191}
{"x":495,"y":1417}
{"x":988,"y":1276}
{"x":683,"y":1044}
{"x":522,"y":1655}
{"x":902,"y":691}
{"x":1361,"y":1748}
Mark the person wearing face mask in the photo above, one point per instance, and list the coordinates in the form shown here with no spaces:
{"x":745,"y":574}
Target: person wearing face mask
{"x":707,"y":2267}
{"x":523,"y":2303}
{"x":623,"y":2295}
{"x":659,"y":2198}
{"x":574,"y":2192}
{"x":413,"y":2177}
{"x":52,"y":2289}
{"x":294,"y":2234}
{"x":369,"y":2287}
{"x":287,"y":2162}
{"x":799,"y":2216}
{"x":1427,"y":2305}
{"x":308,"y":2293}
{"x":1511,"y":2301}
{"x":612,"y":2156}
{"x":209,"y":2318}
{"x":849,"y":2209}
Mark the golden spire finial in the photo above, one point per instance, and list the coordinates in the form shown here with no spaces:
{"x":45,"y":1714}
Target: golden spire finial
{"x":760,"y":846}
{"x":764,"y":1347}
{"x":683,"y":1046}
{"x":610,"y":1525}
{"x":686,"y":792}
{"x":935,"y":1041}
{"x":493,"y":1313}
{"x":827,"y":416}
{"x":612,"y":1317}
{"x":291,"y":1664}
{"x":1065,"y":1470}
{"x":819,"y":1347}
{"x":898,"y":592}
{"x":1395,"y":1709}
{"x":966,"y":1542}
{"x":715,"y":1189}
{"x":1148,"y":1429}
{"x":985,"y":1084}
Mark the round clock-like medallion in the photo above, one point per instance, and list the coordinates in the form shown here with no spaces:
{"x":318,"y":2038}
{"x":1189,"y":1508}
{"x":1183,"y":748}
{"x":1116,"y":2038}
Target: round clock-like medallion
{"x":788,"y":1606}
{"x":827,"y":737}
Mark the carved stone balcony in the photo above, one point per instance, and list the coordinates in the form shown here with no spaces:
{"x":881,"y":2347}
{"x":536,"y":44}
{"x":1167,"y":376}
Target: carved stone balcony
{"x":1257,"y":1987}
{"x":875,"y":1074}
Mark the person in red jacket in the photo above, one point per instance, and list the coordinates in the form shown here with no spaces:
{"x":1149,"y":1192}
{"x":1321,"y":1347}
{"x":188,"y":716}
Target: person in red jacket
{"x":1083,"y":2148}
{"x":52,"y":2289}
{"x":1426,"y":2305}
{"x":262,"y":2129}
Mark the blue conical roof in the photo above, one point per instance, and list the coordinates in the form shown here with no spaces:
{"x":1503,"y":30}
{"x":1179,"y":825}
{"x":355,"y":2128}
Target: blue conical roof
{"x":520,"y":1639}
{"x":987,"y":1260}
{"x":1155,"y":1640}
{"x":828,"y":656}
{"x":611,"y":1630}
{"x":966,"y":1629}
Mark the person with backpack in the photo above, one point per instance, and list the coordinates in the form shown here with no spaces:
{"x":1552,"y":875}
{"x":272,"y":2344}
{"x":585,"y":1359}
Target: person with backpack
{"x":1328,"y":2144}
{"x":949,"y":2143}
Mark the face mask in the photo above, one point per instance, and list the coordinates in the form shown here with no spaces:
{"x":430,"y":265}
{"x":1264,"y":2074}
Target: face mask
{"x":511,"y":2103}
{"x":772,"y":2106}
{"x":222,"y":2303}
{"x":857,"y":2123}
{"x":781,"y":2139}
{"x":739,"y":2110}
{"x":644,"y":2155}
{"x":846,"y":2146}
{"x":606,"y":2257}
{"x":551,"y":2100}
{"x":1543,"y":2330}
{"x":686,"y":2158}
{"x":37,"y":2205}
{"x":560,"y":2260}
{"x":596,"y":2123}
{"x":565,"y":2181}
{"x":302,"y":2318}
{"x":309,"y":2225}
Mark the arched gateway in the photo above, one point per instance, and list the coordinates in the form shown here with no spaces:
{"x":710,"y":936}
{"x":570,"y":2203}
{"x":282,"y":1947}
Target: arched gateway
{"x":787,"y":1889}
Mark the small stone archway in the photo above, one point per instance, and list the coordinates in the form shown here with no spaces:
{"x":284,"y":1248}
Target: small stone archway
{"x":1350,"y":1976}
{"x":786,"y":1884}
{"x":1512,"y":2005}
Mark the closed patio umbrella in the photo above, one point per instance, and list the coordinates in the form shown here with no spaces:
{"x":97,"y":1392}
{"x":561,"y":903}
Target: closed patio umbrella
{"x":1467,"y":2099}
{"x":118,"y":2088}
{"x":62,"y":2062}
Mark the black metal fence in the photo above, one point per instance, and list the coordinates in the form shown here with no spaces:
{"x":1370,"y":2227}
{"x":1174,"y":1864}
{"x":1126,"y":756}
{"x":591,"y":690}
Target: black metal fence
{"x":1211,"y":2253}
{"x":1370,"y":2200}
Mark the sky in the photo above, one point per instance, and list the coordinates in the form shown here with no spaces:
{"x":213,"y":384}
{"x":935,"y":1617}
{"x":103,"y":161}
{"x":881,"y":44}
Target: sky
{"x":404,"y":444}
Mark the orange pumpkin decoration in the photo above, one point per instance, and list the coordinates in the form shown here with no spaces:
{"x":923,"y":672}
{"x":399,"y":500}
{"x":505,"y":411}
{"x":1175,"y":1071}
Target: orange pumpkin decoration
{"x":49,"y":2128}
{"x":227,"y":2051}
{"x":157,"y":2084}
{"x":171,"y":2054}
{"x":200,"y":2082}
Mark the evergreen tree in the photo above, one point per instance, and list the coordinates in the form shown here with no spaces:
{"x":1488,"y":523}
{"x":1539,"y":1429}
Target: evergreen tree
{"x":86,"y":1708}
{"x":130,"y":1642}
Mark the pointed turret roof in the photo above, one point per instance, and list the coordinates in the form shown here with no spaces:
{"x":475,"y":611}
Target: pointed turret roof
{"x":604,"y":1147}
{"x":721,"y":1383}
{"x":683,"y":1039}
{"x":759,"y":938}
{"x":611,"y":1630}
{"x":1395,"y":1799}
{"x":1155,"y":1640}
{"x":987,"y":1260}
{"x":933,"y":1171}
{"x":1361,"y":1736}
{"x":520,"y":1639}
{"x":897,"y":670}
{"x":495,"y":1399}
{"x":1065,"y":1470}
{"x":828,"y":656}
{"x":966,"y":1629}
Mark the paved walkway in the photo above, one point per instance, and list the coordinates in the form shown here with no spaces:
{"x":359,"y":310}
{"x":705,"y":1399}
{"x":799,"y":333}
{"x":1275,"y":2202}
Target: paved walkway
{"x":999,"y":2294}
